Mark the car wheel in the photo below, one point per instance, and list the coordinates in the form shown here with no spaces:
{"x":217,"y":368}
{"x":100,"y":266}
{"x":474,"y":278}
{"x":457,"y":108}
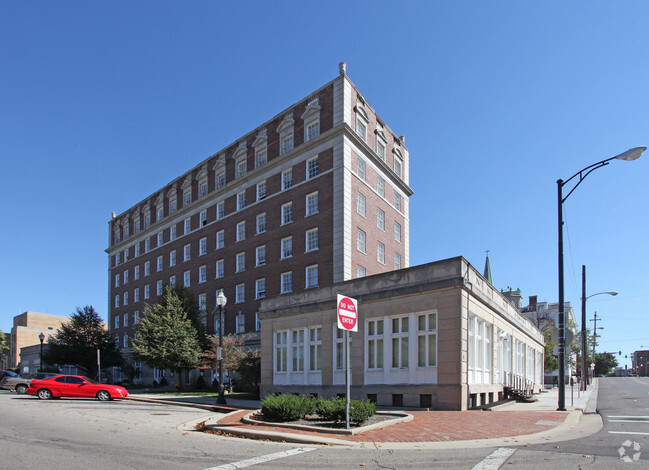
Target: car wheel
{"x":44,"y":394}
{"x":21,"y":389}
{"x":103,"y":395}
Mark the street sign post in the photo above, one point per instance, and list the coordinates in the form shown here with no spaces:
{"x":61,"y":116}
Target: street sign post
{"x":347,"y":315}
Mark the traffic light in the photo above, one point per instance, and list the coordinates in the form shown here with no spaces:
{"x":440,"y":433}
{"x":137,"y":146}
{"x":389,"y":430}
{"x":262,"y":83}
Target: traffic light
{"x":620,"y":353}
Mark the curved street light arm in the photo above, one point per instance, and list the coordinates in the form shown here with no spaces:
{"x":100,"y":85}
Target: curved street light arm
{"x":583,"y":174}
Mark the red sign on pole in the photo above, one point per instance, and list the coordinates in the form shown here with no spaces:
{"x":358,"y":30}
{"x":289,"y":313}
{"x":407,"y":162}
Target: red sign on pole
{"x":347,"y":313}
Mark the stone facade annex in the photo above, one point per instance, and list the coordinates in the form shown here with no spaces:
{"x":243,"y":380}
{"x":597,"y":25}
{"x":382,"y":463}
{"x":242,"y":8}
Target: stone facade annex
{"x":435,"y":336}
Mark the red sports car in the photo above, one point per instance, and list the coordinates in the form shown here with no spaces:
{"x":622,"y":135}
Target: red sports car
{"x":74,"y":386}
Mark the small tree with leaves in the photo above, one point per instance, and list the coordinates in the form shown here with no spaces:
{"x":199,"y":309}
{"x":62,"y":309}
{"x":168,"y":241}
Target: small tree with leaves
{"x":233,"y":352}
{"x":166,"y":337}
{"x":4,"y":347}
{"x":77,"y":342}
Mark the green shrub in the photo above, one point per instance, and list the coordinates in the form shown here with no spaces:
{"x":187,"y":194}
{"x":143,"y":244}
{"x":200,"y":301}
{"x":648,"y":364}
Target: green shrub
{"x":200,"y":383}
{"x":361,"y":410}
{"x":286,"y":407}
{"x":335,"y":410}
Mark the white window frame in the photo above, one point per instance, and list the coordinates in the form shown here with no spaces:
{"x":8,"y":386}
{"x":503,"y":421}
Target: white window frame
{"x":287,"y":213}
{"x":361,"y":240}
{"x":380,"y":218}
{"x":220,"y":239}
{"x":240,"y":262}
{"x":286,"y":248}
{"x":187,"y":252}
{"x":202,"y":246}
{"x":261,"y":191}
{"x":240,"y":293}
{"x":260,"y":288}
{"x":260,"y":255}
{"x":286,"y":281}
{"x":361,"y":204}
{"x":287,"y":179}
{"x":202,"y":274}
{"x":220,"y":269}
{"x":400,"y":339}
{"x":311,"y":240}
{"x":311,"y":275}
{"x":427,"y":340}
{"x":260,"y":225}
{"x":241,"y":231}
{"x":311,"y":204}
{"x":380,"y":252}
{"x":312,"y":168}
{"x":375,"y":344}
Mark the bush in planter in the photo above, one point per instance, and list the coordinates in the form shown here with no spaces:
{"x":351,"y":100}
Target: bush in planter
{"x":287,"y":407}
{"x":335,"y":410}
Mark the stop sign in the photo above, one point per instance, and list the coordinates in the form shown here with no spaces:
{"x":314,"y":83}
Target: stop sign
{"x":347,"y":310}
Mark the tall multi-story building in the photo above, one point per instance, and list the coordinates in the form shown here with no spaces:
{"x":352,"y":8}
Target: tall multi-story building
{"x":316,"y":195}
{"x":27,"y":327}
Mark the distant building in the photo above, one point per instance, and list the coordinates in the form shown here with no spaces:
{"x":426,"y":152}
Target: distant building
{"x":438,"y":335}
{"x":26,"y":330}
{"x":639,"y":363}
{"x":544,"y":315}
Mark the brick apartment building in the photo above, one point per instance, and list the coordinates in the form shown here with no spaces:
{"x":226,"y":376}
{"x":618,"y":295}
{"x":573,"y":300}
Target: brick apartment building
{"x":317,"y":195}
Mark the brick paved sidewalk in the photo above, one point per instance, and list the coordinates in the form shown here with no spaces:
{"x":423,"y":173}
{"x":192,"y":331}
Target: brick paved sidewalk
{"x":429,"y":426}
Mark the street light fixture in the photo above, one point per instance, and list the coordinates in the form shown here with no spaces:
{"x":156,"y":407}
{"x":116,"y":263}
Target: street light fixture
{"x":221,"y":300}
{"x":584,"y":297}
{"x":42,"y":338}
{"x":629,"y":155}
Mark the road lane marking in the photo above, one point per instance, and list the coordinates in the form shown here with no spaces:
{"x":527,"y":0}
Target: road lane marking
{"x":627,"y":421}
{"x":495,"y":460}
{"x":629,"y":432}
{"x":261,"y":459}
{"x":643,"y":417}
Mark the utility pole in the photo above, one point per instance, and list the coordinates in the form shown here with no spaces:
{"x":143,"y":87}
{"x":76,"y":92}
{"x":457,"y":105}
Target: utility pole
{"x":595,"y":335}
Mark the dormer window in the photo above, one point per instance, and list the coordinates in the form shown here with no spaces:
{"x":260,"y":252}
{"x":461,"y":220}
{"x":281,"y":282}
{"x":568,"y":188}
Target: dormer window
{"x":285,"y":131}
{"x":362,"y":120}
{"x":187,"y":191}
{"x":381,"y":143}
{"x":201,"y":177}
{"x":261,"y":149}
{"x":219,"y":170}
{"x":239,"y":156}
{"x":311,"y":118}
{"x":398,"y":162}
{"x":173,"y":201}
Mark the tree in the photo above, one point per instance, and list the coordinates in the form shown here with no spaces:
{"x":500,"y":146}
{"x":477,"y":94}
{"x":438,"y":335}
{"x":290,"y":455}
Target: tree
{"x":77,"y":342}
{"x":250,"y":370}
{"x":4,"y":347}
{"x":237,"y":357}
{"x":605,"y":363}
{"x":166,"y":337}
{"x":190,"y":305}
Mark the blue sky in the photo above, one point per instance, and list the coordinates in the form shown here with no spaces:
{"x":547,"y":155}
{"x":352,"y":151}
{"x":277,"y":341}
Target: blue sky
{"x":103,"y":103}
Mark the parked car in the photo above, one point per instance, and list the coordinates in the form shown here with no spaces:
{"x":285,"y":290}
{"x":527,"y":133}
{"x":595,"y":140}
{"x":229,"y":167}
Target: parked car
{"x":74,"y":386}
{"x":20,"y":383}
{"x":6,"y":373}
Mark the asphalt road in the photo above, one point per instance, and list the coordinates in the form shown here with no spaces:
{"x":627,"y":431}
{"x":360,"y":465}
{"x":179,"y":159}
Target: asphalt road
{"x":73,"y":434}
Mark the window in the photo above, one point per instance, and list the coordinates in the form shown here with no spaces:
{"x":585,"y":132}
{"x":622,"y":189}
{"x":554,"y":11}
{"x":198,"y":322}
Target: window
{"x":125,"y":299}
{"x":172,"y":281}
{"x":116,"y":341}
{"x":375,"y":344}
{"x":315,"y":349}
{"x":398,"y":164}
{"x":117,"y":300}
{"x":261,"y":157}
{"x":187,"y":252}
{"x":137,"y":249}
{"x":160,"y":239}
{"x":161,"y":213}
{"x":146,"y":292}
{"x":147,"y":247}
{"x":380,"y":253}
{"x":136,"y":294}
{"x":311,"y":240}
{"x":172,"y":258}
{"x":340,"y":346}
{"x":220,"y":210}
{"x":241,"y":168}
{"x":220,"y":269}
{"x":173,"y":205}
{"x":158,"y":288}
{"x":400,"y":342}
{"x":397,"y":201}
{"x":188,"y":225}
{"x":261,"y":191}
{"x":287,"y":213}
{"x":202,"y":246}
{"x":257,"y":322}
{"x":479,"y":366}
{"x":287,"y":179}
{"x":220,"y":179}
{"x":311,"y":276}
{"x":360,"y":240}
{"x":137,"y":226}
{"x":160,"y":262}
{"x":117,"y":259}
{"x":361,"y":127}
{"x":260,"y":288}
{"x":361,"y":168}
{"x":241,"y":262}
{"x":147,"y":221}
{"x":286,"y":144}
{"x":287,"y":282}
{"x":202,"y":274}
{"x":260,"y":255}
{"x":240,"y":292}
{"x":202,"y":189}
{"x":261,"y":223}
{"x":311,"y":204}
{"x":312,"y":168}
{"x":187,"y":278}
{"x":397,"y":261}
{"x":116,"y":280}
{"x":287,"y":247}
{"x":241,"y":231}
{"x":172,"y":233}
{"x":125,"y":342}
{"x":380,"y":149}
{"x":281,"y":355}
{"x":297,"y":346}
{"x":147,"y":268}
{"x":187,"y":198}
{"x":240,"y":326}
{"x":202,"y":301}
{"x":203,"y":218}
{"x":220,"y":239}
{"x":427,"y":340}
{"x":360,"y":204}
{"x":126,"y":255}
{"x":241,"y":200}
{"x":380,"y":219}
{"x":312,"y":130}
{"x":360,"y":271}
{"x":136,"y":272}
{"x":136,"y":317}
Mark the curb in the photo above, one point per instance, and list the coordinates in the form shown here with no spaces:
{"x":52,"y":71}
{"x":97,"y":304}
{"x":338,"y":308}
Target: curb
{"x":214,"y":408}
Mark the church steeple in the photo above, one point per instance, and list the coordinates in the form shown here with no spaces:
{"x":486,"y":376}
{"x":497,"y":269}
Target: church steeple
{"x":487,"y":270}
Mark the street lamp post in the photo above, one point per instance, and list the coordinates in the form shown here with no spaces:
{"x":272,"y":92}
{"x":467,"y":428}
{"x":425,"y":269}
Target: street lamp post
{"x":221,"y":300}
{"x":42,"y":338}
{"x":584,"y":362}
{"x":629,"y":155}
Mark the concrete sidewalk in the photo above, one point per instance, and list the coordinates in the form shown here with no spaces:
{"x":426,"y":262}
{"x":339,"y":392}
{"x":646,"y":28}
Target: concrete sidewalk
{"x":509,"y":423}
